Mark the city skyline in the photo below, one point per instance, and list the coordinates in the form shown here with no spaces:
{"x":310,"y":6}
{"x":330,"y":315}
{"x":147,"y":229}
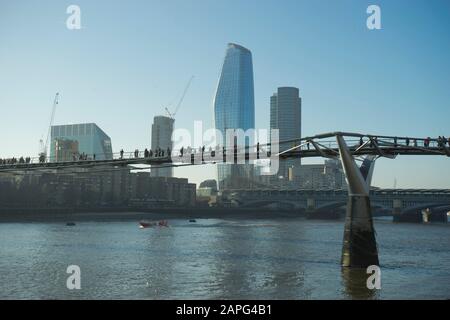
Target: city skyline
{"x":363,"y":85}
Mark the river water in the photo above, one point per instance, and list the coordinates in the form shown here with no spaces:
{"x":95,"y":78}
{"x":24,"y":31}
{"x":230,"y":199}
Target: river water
{"x":218,"y":259}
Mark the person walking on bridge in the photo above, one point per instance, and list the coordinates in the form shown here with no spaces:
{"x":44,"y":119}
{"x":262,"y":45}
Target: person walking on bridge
{"x":121,"y":153}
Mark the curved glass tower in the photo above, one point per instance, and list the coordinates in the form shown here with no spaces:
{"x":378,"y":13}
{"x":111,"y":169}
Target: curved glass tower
{"x":234,"y":107}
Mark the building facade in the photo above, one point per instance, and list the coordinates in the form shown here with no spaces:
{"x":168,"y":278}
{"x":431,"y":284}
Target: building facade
{"x":90,"y":188}
{"x":162,"y":129}
{"x":234,"y":108}
{"x":329,"y":175}
{"x":87,"y":137}
{"x":285,"y":115}
{"x":66,"y":150}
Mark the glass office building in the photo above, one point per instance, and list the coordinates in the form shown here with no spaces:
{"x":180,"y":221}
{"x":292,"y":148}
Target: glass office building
{"x":285,"y":115}
{"x":234,"y":106}
{"x":89,"y":137}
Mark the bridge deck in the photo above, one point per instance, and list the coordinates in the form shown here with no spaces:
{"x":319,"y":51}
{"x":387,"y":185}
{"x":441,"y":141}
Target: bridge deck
{"x":315,"y":146}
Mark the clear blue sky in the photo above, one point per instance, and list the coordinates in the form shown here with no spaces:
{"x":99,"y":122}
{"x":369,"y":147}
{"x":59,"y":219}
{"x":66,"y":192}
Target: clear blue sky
{"x":132,"y":57}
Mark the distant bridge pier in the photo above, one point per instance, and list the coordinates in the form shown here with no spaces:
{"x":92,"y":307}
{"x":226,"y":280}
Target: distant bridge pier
{"x":434,"y":215}
{"x":310,"y":205}
{"x":426,"y":214}
{"x":359,"y":248}
{"x":397,"y":206}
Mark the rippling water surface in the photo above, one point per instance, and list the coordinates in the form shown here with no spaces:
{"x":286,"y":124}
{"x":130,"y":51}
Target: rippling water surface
{"x":218,"y":259}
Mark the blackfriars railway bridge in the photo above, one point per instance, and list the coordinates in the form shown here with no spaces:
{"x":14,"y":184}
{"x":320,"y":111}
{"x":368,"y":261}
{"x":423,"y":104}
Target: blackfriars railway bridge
{"x":357,"y":153}
{"x":404,"y":204}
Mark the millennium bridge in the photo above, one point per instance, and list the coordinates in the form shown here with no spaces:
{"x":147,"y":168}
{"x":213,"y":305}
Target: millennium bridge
{"x":359,"y":245}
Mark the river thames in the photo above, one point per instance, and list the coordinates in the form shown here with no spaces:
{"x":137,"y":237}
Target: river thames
{"x":218,"y":259}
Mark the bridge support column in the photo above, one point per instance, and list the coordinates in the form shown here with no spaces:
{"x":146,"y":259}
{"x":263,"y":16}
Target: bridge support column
{"x":359,"y":249}
{"x":310,"y":204}
{"x":397,"y":207}
{"x":426,"y":215}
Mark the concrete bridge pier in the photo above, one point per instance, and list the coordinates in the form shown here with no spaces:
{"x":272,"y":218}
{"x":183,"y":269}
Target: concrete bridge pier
{"x":397,"y":206}
{"x":359,"y":249}
{"x":310,"y":205}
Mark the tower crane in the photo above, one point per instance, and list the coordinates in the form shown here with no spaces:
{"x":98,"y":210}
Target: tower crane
{"x":172,"y":115}
{"x":44,"y":147}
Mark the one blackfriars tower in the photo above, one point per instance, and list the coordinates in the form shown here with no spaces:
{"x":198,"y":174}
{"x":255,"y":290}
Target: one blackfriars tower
{"x":234,"y":108}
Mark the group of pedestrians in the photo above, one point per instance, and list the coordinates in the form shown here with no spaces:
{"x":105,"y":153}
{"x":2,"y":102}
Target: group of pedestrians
{"x":441,"y":141}
{"x":183,"y":152}
{"x":15,"y":160}
{"x":149,"y":153}
{"x":82,"y":157}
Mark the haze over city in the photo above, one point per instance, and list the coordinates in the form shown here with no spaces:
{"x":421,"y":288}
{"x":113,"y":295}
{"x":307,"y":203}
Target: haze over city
{"x":129,"y":61}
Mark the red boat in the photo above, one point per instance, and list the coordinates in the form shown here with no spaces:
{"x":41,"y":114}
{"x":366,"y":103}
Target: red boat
{"x":148,"y":224}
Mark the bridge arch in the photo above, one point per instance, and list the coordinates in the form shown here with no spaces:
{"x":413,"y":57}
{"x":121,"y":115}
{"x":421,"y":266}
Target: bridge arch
{"x":267,"y":202}
{"x":420,"y":207}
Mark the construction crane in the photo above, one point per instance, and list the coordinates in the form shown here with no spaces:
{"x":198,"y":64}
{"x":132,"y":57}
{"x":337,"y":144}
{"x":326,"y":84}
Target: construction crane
{"x":172,"y":115}
{"x":44,"y":147}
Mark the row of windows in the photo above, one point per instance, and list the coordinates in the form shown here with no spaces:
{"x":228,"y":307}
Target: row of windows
{"x":72,"y":130}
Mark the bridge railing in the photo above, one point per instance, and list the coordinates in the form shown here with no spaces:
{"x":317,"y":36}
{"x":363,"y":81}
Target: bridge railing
{"x":323,"y":142}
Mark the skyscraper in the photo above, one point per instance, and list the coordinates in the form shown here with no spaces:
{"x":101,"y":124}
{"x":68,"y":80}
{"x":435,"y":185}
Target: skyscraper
{"x":285,"y":115}
{"x":234,"y":107}
{"x":162,"y":129}
{"x":85,"y":138}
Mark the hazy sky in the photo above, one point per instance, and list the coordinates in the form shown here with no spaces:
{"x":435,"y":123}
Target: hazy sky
{"x":131,"y":58}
